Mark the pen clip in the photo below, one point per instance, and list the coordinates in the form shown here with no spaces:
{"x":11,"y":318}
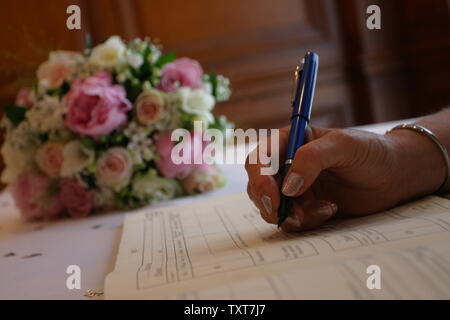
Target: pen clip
{"x":296,"y":80}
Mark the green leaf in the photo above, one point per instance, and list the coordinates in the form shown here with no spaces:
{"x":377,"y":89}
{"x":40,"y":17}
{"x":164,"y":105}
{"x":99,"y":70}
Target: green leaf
{"x":88,"y":143}
{"x":43,"y":137}
{"x":132,"y":90}
{"x":89,"y":179}
{"x":117,"y":138}
{"x":119,"y":203}
{"x":65,"y":87}
{"x":145,"y":71}
{"x":165,"y":58}
{"x":60,"y":91}
{"x":186,"y":121}
{"x":213,"y":80}
{"x":15,"y":113}
{"x":53,"y":92}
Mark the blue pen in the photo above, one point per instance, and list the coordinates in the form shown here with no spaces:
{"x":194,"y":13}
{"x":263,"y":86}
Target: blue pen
{"x":304,"y":84}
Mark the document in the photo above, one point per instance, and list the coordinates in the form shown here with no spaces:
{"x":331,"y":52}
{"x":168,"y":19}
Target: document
{"x":222,"y":249}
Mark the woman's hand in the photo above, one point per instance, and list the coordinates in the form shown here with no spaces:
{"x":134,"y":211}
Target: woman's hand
{"x":350,"y":172}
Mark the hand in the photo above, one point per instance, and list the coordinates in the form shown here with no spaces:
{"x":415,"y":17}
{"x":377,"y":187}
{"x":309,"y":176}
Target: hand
{"x":350,"y":172}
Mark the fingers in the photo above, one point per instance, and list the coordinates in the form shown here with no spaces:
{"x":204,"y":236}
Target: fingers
{"x":310,"y":160}
{"x":253,"y":163}
{"x":265,"y":199}
{"x":309,"y":215}
{"x":327,"y":151}
{"x":263,"y":190}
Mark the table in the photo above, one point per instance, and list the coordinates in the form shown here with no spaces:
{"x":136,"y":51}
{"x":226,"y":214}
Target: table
{"x":34,"y":257}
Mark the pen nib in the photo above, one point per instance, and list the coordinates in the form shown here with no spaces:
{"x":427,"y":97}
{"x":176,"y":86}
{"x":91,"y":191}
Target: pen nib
{"x":281,"y":221}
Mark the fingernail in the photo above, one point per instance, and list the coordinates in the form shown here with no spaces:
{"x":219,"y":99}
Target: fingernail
{"x":267,"y":204}
{"x":293,"y":221}
{"x":293,"y":183}
{"x":326,"y":211}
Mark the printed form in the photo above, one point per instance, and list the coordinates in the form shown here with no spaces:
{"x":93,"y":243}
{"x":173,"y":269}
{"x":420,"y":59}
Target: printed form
{"x":222,"y":249}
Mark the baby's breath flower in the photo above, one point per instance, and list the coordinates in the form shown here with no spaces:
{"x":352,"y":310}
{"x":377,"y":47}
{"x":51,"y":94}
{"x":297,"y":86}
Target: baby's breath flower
{"x":154,"y":55}
{"x":140,"y":145}
{"x":219,"y":84}
{"x":47,"y":115}
{"x":223,"y":91}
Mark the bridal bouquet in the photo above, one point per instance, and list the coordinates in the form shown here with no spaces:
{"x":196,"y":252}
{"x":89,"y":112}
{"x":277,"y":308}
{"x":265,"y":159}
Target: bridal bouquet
{"x":94,"y":133}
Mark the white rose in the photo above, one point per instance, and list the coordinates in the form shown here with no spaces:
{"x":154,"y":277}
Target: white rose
{"x":16,"y":162}
{"x":155,"y":188}
{"x":108,"y":54}
{"x":18,"y":151}
{"x":196,"y":101}
{"x":135,"y":60}
{"x":76,"y":158}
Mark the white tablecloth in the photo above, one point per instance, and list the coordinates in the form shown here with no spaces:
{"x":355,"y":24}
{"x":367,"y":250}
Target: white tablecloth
{"x":34,"y":256}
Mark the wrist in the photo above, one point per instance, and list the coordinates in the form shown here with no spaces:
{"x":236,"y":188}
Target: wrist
{"x":419,"y":165}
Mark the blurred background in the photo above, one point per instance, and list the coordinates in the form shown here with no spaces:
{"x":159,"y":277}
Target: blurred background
{"x":365,"y":76}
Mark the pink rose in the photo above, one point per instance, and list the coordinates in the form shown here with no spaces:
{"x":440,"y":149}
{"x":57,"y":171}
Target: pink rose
{"x":51,"y":74}
{"x":95,"y":107}
{"x":34,"y":196}
{"x":24,"y":98}
{"x":149,"y":107}
{"x":165,"y":163}
{"x":183,"y":72}
{"x":77,"y":200}
{"x":203,"y":178}
{"x":114,"y":168}
{"x":49,"y":158}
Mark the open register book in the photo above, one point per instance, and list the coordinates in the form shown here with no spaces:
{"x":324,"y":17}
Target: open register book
{"x":222,"y":249}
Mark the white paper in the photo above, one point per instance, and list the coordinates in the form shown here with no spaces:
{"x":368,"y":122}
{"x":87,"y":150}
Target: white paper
{"x":222,"y":249}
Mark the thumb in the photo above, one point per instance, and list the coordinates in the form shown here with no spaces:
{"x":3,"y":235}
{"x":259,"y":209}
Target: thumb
{"x":327,"y":150}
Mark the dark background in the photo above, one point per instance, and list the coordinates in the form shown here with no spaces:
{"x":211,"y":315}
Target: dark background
{"x":365,"y":76}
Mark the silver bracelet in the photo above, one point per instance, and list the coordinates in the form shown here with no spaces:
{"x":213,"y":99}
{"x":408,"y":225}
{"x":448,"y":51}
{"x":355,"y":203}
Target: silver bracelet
{"x":427,"y":133}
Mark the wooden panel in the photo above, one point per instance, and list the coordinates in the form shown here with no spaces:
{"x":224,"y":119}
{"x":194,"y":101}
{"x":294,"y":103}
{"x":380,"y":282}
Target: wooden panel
{"x":110,"y":17}
{"x":242,"y":27}
{"x":427,"y":32}
{"x":402,"y":70}
{"x":26,"y":39}
{"x":257,"y":44}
